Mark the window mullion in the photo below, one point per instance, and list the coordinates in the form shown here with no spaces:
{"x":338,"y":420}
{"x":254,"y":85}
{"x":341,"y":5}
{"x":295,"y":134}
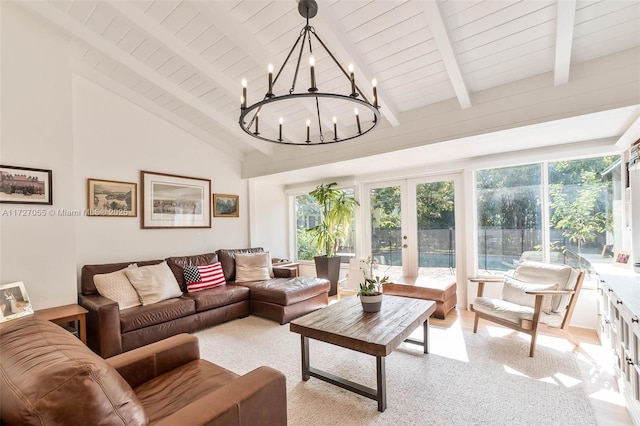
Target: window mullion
{"x":546,"y":228}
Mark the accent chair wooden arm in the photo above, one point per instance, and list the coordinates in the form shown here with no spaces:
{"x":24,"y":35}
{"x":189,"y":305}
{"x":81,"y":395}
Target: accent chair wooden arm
{"x":482,"y":280}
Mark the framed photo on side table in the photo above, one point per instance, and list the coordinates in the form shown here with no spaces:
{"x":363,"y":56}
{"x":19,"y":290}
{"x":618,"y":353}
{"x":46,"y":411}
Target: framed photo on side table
{"x":171,"y":201}
{"x":225,"y":205}
{"x":14,"y":302}
{"x":622,"y":259}
{"x":23,"y":185}
{"x":112,"y":198}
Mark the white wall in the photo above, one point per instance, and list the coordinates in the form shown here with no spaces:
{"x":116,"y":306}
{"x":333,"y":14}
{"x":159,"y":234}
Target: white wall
{"x":36,"y":132}
{"x":54,"y":119}
{"x":269,"y":210}
{"x":115,"y":140}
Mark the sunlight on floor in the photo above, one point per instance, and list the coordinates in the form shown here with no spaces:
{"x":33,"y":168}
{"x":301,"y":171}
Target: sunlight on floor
{"x":607,"y":395}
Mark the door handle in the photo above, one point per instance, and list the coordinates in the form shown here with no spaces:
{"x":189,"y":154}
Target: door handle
{"x":404,"y":246}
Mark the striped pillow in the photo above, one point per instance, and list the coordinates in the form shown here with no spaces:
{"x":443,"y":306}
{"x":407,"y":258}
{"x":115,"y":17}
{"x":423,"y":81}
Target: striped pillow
{"x":203,"y":277}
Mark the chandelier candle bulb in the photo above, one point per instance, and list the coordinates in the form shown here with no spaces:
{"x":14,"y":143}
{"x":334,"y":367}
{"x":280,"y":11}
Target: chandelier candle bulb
{"x":280,"y":129}
{"x":308,"y":131}
{"x":244,"y":93}
{"x":257,"y":117}
{"x":312,"y":63}
{"x":335,"y":128}
{"x":374,"y":83}
{"x":353,"y":80}
{"x":270,"y":69}
{"x":358,"y":120}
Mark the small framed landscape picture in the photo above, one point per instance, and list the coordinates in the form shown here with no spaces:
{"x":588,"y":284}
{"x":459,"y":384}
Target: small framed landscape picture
{"x":225,"y":205}
{"x":112,"y":198}
{"x":23,"y":185}
{"x":14,"y":302}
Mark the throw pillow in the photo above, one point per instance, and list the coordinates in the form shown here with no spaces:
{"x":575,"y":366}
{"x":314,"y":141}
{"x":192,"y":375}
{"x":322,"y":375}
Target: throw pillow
{"x":117,"y":287}
{"x":154,"y":283}
{"x":253,"y":267}
{"x":203,"y":277}
{"x":514,"y":291}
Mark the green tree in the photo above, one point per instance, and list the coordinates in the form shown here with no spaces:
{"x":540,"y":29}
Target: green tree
{"x":577,"y":210}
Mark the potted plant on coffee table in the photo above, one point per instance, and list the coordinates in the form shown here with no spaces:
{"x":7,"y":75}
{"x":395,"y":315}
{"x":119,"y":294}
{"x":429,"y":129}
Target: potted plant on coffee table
{"x":336,"y":211}
{"x":370,"y":293}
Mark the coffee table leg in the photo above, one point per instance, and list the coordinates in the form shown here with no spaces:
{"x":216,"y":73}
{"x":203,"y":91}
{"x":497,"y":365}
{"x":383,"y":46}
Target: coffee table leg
{"x":304,"y":341}
{"x":382,"y":383}
{"x":425,"y":330}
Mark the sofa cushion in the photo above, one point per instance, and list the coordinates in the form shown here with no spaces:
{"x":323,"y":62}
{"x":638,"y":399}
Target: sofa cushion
{"x":191,"y":381}
{"x":228,"y":259}
{"x":287,"y":291}
{"x":218,"y":296}
{"x":157,"y":313}
{"x":200,"y":278}
{"x":49,"y":377}
{"x":117,"y":287}
{"x":564,"y":276}
{"x":253,"y":267}
{"x":154,"y":283}
{"x":178,"y":263}
{"x":515,"y":291}
{"x":87,"y":286}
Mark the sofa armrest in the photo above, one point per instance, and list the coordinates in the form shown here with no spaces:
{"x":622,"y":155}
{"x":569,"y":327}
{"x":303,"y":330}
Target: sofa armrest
{"x":147,"y":362}
{"x":103,"y":324}
{"x":257,"y":398}
{"x":285,"y":272}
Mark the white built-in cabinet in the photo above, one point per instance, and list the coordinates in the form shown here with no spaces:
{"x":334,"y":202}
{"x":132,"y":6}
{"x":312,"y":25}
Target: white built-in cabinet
{"x":619,"y":332}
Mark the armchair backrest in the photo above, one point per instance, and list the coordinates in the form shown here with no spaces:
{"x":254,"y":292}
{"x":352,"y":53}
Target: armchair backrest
{"x":564,"y":276}
{"x":356,"y":274}
{"x":49,"y":377}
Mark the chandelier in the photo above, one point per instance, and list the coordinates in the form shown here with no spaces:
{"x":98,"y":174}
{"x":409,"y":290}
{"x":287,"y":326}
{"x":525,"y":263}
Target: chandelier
{"x":336,"y":117}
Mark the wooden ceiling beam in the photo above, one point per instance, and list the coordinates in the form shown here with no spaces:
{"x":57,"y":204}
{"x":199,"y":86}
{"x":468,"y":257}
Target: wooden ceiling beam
{"x":438,"y":26}
{"x":565,"y":21}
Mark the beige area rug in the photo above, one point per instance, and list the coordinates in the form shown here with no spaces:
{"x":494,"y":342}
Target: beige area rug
{"x":467,"y":379}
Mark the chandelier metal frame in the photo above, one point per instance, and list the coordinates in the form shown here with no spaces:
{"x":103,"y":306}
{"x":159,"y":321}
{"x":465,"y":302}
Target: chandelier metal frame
{"x":308,"y":9}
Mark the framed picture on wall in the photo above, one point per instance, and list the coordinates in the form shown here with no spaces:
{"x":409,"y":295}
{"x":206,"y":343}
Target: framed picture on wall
{"x":171,"y":201}
{"x":24,"y":185}
{"x":225,"y":205}
{"x":111,"y":198}
{"x":14,"y":302}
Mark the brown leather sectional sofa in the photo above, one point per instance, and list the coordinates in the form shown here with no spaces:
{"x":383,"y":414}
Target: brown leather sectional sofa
{"x":111,"y":331}
{"x":48,"y":377}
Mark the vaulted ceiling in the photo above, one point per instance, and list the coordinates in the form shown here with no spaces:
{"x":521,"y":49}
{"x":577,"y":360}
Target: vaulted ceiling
{"x":184,"y":60}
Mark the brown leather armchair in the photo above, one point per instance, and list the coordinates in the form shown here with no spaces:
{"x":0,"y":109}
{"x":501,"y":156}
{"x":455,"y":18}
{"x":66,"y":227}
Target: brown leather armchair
{"x":48,"y":377}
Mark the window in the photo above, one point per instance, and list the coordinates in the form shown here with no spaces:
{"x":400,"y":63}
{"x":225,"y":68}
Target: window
{"x":582,"y":209}
{"x":307,"y":217}
{"x":509,"y":215}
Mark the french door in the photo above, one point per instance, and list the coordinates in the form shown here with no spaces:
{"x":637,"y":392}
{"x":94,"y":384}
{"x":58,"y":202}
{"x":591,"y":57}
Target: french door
{"x":412,"y":226}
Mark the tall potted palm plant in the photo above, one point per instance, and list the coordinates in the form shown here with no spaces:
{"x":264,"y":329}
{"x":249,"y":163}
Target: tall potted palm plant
{"x":336,"y":212}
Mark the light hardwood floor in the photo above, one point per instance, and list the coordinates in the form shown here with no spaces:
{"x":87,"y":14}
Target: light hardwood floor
{"x":597,"y":365}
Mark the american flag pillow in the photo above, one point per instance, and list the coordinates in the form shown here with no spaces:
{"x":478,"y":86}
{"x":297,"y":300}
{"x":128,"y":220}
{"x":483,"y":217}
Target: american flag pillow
{"x":203,"y":277}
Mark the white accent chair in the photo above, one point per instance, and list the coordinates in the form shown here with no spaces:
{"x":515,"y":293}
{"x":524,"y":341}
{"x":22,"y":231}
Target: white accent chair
{"x":356,"y":275}
{"x":535,"y":297}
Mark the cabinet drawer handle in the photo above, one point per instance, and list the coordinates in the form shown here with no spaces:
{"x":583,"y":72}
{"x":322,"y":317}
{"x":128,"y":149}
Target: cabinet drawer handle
{"x":618,"y":302}
{"x":634,"y":319}
{"x":607,"y":321}
{"x":609,"y":289}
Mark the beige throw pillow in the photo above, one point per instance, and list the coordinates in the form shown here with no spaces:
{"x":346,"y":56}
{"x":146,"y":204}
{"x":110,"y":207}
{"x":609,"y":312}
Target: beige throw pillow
{"x":117,"y":287}
{"x":253,"y":267}
{"x":154,"y":283}
{"x":514,"y":291}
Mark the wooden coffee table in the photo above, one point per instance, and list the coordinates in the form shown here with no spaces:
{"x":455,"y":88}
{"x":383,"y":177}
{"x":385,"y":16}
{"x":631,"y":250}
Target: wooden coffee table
{"x":380,"y":333}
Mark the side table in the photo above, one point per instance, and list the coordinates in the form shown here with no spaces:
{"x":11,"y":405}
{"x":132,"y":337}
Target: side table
{"x":62,"y":315}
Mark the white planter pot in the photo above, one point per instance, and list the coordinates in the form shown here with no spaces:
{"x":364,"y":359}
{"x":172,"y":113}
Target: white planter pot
{"x":371,"y":303}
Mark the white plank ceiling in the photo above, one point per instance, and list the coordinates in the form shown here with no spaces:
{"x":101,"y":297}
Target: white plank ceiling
{"x":184,"y":60}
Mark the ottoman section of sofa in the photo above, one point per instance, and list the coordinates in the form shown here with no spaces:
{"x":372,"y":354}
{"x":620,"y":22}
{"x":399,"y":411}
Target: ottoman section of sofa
{"x":284,"y":299}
